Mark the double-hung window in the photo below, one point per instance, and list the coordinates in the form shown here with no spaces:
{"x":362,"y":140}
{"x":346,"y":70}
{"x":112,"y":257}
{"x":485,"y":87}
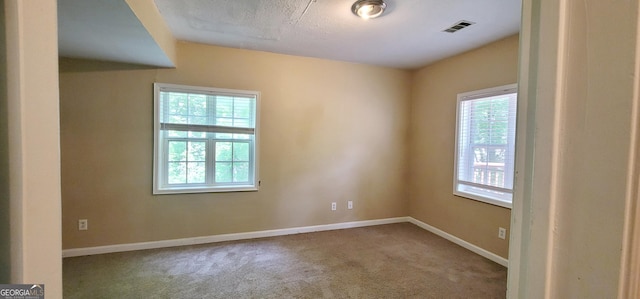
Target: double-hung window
{"x":205,"y":139}
{"x":485,"y":145}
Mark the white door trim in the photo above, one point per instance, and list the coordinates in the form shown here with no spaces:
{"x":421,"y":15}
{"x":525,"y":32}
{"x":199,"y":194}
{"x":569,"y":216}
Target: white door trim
{"x":540,"y":86}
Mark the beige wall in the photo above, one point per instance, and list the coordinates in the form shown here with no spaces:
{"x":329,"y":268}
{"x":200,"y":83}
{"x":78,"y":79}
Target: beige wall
{"x":432,"y":143}
{"x":330,"y":131}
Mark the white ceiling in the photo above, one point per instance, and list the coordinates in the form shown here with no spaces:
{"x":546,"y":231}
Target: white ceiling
{"x":105,"y":30}
{"x":408,"y":35}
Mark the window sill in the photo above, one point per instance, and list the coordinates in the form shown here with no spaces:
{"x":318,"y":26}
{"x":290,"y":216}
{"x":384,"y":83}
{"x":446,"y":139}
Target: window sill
{"x":496,"y":201}
{"x":183,"y":190}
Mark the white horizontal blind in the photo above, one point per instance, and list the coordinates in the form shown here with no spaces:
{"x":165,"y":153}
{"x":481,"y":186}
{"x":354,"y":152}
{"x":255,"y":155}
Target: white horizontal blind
{"x":485,"y":142}
{"x":203,"y":112}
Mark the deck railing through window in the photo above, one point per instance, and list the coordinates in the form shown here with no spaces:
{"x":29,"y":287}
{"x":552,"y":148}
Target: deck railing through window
{"x":488,"y":165}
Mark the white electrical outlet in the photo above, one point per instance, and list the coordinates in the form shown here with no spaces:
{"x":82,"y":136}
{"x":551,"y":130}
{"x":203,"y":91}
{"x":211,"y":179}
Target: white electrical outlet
{"x":83,"y":224}
{"x":350,"y":204}
{"x":502,"y":233}
{"x":334,"y":206}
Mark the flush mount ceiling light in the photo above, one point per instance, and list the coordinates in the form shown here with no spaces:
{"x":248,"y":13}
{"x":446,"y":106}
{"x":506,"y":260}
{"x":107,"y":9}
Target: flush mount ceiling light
{"x":368,"y":9}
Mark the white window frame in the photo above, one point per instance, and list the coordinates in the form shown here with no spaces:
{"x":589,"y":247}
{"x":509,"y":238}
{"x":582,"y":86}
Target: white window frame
{"x":481,"y":192}
{"x":160,"y":144}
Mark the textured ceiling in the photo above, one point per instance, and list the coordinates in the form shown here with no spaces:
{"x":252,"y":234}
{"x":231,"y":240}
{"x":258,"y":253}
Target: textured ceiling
{"x":408,"y":35}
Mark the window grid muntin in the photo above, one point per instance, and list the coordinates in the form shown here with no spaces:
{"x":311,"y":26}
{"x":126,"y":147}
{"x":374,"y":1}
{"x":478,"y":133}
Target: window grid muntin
{"x":167,"y":162}
{"x":233,"y":161}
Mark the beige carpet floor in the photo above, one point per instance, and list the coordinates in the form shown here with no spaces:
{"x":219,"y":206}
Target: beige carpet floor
{"x":385,"y":261}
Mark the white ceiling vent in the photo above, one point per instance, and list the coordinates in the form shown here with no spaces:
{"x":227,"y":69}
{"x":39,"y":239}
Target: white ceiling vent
{"x":457,"y":26}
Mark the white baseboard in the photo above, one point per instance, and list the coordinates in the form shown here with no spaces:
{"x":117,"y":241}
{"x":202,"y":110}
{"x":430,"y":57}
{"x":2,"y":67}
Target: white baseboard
{"x":279,"y":232}
{"x":480,"y":251}
{"x":225,"y":237}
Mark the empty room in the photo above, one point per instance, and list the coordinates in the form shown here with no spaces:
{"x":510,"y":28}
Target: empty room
{"x":320,"y":149}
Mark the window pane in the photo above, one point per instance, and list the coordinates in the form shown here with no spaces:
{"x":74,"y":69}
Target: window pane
{"x":197,"y":151}
{"x":490,"y":121}
{"x":196,"y":172}
{"x":223,"y":151}
{"x":177,"y":103}
{"x":241,"y":171}
{"x":241,"y":122}
{"x":177,"y":173}
{"x":224,"y":107}
{"x":488,"y":167}
{"x":235,"y":111}
{"x":497,"y":155}
{"x":176,"y":134}
{"x":223,"y":172}
{"x":242,"y":136}
{"x":197,"y":134}
{"x":227,"y":122}
{"x":177,"y":150}
{"x":490,"y":128}
{"x":197,"y":120}
{"x":177,"y":119}
{"x":198,"y":105}
{"x":242,"y":108}
{"x":240,"y":151}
